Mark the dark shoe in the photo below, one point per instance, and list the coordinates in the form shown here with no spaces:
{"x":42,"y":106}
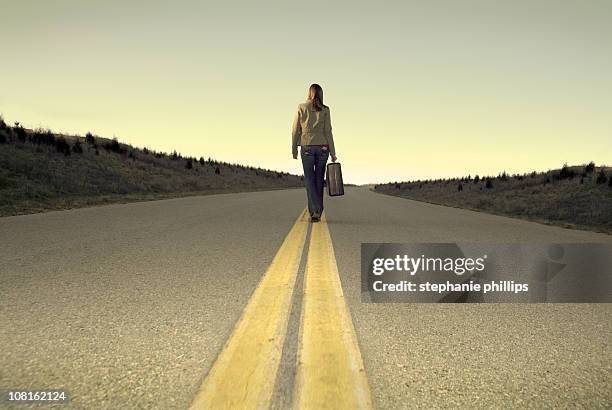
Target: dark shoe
{"x":314,"y":219}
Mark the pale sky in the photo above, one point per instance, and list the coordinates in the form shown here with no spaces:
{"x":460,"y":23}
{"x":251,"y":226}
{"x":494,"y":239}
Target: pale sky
{"x":417,"y":89}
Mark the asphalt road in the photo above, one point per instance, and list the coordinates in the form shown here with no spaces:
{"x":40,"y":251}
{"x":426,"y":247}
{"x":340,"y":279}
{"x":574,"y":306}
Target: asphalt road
{"x":128,"y":306}
{"x":469,"y":355}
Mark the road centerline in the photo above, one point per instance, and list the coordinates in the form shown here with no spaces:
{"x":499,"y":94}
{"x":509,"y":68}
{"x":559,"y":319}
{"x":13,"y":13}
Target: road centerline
{"x":330,"y":371}
{"x":244,"y":373}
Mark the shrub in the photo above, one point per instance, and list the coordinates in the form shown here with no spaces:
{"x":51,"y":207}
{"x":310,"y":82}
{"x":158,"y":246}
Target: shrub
{"x":610,"y":182}
{"x":62,"y":146}
{"x":476,"y":179}
{"x":3,"y":125}
{"x":217,"y":171}
{"x":533,"y":174}
{"x":590,"y":167}
{"x":601,"y":177}
{"x":41,"y":136}
{"x":459,"y":187}
{"x":503,"y":176}
{"x":489,"y":183}
{"x":114,"y":146}
{"x":2,"y":138}
{"x":77,"y":148}
{"x":89,"y":138}
{"x":566,"y":173}
{"x":20,"y":132}
{"x":189,"y":164}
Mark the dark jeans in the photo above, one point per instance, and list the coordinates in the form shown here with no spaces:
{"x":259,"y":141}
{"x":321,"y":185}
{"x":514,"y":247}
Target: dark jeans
{"x":314,"y":158}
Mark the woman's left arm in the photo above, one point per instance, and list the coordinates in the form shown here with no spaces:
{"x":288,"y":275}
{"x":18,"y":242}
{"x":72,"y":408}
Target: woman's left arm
{"x":329,"y":135}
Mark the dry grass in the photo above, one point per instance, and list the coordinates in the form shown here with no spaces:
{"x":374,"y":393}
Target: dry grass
{"x":40,"y":170}
{"x":574,"y":197}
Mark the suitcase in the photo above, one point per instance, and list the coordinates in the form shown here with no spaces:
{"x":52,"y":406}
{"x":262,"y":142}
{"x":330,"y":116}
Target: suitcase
{"x":335,"y":186}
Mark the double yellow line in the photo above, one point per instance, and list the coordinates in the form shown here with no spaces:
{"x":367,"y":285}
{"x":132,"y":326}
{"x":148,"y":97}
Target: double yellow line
{"x":330,"y":372}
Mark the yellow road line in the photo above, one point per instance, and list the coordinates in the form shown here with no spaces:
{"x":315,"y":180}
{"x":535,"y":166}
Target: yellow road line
{"x":244,"y":374}
{"x":330,"y":371}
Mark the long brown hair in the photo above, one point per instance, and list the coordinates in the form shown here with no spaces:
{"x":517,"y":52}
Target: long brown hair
{"x":315,"y":94}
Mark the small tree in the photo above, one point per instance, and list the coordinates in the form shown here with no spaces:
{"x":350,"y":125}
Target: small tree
{"x":590,"y":167}
{"x":476,"y":179}
{"x":459,"y":187}
{"x":217,"y":171}
{"x":20,"y":131}
{"x":113,"y":146}
{"x":566,"y":173}
{"x":89,"y":138}
{"x":189,"y":164}
{"x":62,"y":146}
{"x":601,"y":177}
{"x":44,"y":137}
{"x":489,"y":183}
{"x":77,"y":148}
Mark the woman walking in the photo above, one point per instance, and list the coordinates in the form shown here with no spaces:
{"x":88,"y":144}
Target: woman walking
{"x":313,"y":132}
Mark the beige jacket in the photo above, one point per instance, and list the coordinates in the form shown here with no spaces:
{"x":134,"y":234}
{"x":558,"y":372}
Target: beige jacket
{"x":311,"y":127}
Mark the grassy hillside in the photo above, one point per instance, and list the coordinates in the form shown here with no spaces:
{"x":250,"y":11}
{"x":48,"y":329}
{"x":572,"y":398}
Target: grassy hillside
{"x":576,"y":196}
{"x":40,"y":170}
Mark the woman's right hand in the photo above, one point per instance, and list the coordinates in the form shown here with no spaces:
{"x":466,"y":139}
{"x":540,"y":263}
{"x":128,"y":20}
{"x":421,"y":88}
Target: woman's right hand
{"x":334,"y":158}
